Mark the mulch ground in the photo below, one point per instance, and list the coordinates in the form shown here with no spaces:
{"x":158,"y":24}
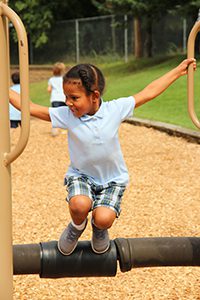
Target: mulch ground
{"x":163,"y":199}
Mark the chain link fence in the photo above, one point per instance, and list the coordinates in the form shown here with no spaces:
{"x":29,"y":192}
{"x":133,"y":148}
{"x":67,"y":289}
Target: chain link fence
{"x":106,"y":38}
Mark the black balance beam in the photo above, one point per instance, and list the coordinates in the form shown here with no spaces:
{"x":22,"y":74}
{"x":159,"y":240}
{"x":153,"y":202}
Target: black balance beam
{"x":45,"y":259}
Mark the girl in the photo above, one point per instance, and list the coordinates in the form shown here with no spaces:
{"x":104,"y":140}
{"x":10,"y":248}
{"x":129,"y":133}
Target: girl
{"x":97,"y":175}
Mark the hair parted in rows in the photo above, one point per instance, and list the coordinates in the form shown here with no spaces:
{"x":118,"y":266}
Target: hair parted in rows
{"x":91,"y":77}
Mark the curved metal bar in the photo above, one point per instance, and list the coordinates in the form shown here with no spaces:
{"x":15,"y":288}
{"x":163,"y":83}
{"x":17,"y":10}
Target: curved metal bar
{"x":190,"y":51}
{"x":24,"y":82}
{"x":6,"y":262}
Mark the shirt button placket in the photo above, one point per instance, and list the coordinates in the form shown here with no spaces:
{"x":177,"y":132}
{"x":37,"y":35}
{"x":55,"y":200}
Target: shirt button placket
{"x":97,"y":132}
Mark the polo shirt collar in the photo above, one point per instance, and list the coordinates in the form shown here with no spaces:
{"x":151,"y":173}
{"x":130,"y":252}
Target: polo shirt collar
{"x":98,"y":114}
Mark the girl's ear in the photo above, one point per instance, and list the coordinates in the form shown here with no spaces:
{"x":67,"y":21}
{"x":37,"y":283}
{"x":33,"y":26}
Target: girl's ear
{"x":96,"y":95}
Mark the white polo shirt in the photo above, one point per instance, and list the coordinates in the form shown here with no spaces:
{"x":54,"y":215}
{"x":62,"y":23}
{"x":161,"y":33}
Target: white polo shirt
{"x":93,"y":141}
{"x":57,"y":94}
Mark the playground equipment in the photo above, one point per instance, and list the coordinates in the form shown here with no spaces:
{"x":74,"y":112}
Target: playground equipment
{"x":191,"y":53}
{"x":44,"y":258}
{"x":6,"y":261}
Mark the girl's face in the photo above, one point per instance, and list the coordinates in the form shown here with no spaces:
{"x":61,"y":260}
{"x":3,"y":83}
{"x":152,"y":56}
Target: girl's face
{"x":78,"y":101}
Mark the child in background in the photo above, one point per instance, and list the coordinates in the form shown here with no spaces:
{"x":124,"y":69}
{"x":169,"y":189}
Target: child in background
{"x":15,"y":114}
{"x":97,"y":175}
{"x":55,"y":88}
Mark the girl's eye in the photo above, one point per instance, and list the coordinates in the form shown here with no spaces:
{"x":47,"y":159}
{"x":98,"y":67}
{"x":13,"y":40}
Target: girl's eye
{"x":74,"y":98}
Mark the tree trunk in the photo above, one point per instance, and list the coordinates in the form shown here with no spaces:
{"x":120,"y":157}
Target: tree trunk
{"x":137,"y":38}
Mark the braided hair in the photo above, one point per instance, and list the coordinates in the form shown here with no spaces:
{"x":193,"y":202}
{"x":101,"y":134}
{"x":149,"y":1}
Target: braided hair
{"x":90,"y":76}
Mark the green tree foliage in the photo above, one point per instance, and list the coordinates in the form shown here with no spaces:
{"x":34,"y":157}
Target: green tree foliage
{"x":73,"y":9}
{"x":148,"y":11}
{"x":37,"y":18}
{"x":190,"y":8}
{"x":155,"y":8}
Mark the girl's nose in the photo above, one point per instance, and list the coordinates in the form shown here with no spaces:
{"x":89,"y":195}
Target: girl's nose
{"x":69,"y":103}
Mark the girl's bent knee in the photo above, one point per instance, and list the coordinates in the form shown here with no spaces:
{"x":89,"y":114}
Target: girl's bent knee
{"x":103,"y":224}
{"x":80,"y":204}
{"x":104,"y":218}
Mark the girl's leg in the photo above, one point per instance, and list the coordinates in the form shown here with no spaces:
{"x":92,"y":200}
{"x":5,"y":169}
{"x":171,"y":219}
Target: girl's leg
{"x":79,"y":207}
{"x":102,"y":219}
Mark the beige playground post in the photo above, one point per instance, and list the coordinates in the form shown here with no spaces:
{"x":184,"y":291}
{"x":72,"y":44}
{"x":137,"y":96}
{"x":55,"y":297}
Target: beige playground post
{"x":191,"y":53}
{"x":6,"y":157}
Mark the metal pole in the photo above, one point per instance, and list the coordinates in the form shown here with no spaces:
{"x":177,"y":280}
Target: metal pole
{"x":6,"y":157}
{"x":6,"y":262}
{"x":125,"y":39}
{"x":77,"y":41}
{"x":184,"y":35}
{"x":157,"y":252}
{"x":24,"y":82}
{"x":113,"y":34}
{"x":46,"y":260}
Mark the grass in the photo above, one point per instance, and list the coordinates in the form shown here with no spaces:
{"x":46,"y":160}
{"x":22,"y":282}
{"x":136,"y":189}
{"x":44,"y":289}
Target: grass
{"x":38,"y":93}
{"x":127,"y":79}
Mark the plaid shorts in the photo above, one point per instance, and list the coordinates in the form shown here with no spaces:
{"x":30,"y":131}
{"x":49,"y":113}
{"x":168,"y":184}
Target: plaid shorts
{"x":109,"y":195}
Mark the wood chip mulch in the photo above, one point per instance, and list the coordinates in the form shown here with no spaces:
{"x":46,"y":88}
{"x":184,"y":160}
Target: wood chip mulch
{"x":163,"y":199}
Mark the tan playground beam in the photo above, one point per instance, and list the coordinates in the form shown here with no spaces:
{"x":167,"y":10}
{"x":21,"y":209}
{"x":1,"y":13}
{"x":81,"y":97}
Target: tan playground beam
{"x":191,"y":53}
{"x":6,"y":157}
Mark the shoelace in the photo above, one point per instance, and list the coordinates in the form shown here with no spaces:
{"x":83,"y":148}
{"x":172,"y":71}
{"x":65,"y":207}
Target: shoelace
{"x":72,"y":234}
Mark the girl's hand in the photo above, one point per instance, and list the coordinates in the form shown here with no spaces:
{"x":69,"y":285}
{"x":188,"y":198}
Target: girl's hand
{"x":183,"y":67}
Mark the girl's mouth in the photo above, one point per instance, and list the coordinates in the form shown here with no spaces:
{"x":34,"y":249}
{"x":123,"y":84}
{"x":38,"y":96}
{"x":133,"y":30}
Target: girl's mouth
{"x":74,"y":111}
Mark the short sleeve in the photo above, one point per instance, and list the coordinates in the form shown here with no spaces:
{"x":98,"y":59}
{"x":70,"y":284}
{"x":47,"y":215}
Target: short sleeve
{"x":124,"y":107}
{"x":60,"y":116}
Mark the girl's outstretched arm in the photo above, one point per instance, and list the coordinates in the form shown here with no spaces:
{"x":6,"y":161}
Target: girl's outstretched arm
{"x":159,"y":85}
{"x":38,"y":111}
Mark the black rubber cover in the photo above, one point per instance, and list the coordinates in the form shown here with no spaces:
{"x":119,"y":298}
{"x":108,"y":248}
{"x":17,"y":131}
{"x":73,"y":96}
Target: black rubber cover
{"x":83,"y":262}
{"x":154,"y":252}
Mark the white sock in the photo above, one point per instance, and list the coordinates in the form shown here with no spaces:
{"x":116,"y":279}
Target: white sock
{"x":92,"y":222}
{"x":81,"y":226}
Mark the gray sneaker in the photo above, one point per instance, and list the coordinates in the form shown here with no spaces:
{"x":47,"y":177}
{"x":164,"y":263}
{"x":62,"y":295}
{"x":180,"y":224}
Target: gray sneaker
{"x":69,"y":239}
{"x":100,"y":242}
